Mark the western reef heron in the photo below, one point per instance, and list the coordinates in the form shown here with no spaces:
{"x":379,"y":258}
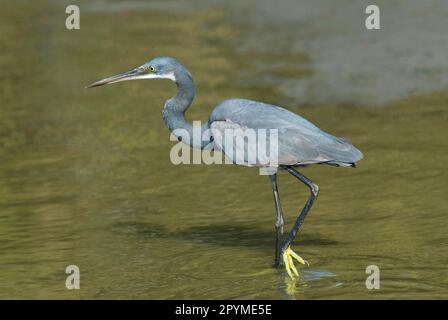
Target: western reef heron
{"x":300,"y":142}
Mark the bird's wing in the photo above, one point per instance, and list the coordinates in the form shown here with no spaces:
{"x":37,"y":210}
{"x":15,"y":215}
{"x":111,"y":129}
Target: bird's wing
{"x":299,"y":141}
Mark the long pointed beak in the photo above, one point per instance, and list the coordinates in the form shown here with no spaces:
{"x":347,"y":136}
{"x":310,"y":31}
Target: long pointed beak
{"x":132,"y":74}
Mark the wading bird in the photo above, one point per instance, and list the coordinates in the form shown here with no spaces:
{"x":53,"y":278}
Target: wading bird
{"x":300,"y":142}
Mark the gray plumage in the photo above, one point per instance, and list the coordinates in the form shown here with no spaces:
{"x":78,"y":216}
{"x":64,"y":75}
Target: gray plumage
{"x":300,"y":141}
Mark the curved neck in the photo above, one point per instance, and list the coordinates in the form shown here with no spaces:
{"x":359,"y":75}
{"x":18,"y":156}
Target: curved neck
{"x":174,"y":113}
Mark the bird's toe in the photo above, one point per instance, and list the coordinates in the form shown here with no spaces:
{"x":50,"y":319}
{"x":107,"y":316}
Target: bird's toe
{"x":288,"y":256}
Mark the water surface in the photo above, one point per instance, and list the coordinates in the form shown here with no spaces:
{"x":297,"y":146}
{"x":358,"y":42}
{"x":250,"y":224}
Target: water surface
{"x":85,"y":175}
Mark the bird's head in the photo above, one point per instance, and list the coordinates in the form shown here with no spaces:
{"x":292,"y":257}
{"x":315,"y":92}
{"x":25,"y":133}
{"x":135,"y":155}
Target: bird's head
{"x":157,"y":68}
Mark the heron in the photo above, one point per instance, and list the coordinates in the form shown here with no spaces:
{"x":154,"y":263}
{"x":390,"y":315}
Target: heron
{"x":300,"y":143}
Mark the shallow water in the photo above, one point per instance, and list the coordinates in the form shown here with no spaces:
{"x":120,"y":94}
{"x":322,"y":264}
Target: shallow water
{"x":85,"y":176}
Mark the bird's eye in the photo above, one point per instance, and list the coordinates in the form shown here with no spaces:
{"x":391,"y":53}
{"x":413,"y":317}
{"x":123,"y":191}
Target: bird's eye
{"x":152,"y":68}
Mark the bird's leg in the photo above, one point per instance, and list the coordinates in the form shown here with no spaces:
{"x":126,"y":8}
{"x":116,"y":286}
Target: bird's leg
{"x":288,"y":254}
{"x":278,"y":220}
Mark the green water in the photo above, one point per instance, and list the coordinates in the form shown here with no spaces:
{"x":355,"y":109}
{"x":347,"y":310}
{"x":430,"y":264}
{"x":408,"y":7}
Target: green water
{"x":86,"y":179}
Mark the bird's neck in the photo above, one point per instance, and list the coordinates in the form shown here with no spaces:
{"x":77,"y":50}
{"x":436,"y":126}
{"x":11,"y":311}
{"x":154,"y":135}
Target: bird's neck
{"x":174,"y":114}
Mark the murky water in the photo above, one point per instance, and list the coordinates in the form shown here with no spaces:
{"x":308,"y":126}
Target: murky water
{"x":85,"y":175}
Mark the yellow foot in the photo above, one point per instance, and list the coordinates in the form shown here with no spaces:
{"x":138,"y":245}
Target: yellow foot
{"x":288,"y":254}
